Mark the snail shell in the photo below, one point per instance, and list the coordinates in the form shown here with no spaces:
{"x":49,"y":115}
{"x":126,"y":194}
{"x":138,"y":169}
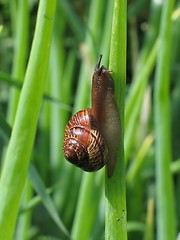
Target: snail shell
{"x":84,"y":145}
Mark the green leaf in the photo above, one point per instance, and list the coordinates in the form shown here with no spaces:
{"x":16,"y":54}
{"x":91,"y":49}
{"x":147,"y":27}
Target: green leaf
{"x":48,"y":203}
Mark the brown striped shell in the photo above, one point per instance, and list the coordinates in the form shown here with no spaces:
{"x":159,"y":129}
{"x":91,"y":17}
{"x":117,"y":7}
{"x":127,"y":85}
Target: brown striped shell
{"x":84,"y":145}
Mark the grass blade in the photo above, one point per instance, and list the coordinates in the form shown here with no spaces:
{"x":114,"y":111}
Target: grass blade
{"x":41,"y":190}
{"x":20,"y":146}
{"x":164,"y":188}
{"x":20,"y":55}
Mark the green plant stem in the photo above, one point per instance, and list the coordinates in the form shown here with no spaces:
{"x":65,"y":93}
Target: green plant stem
{"x":24,"y":220}
{"x":140,"y":83}
{"x":106,"y":34}
{"x":73,"y":19}
{"x":13,"y":11}
{"x":57,"y":65}
{"x":18,"y":71}
{"x":39,"y":187}
{"x":134,"y":100}
{"x":88,"y":203}
{"x":150,"y":37}
{"x":149,"y":232}
{"x":115,"y":216}
{"x":164,"y":189}
{"x":139,"y":158}
{"x":92,"y":40}
{"x":23,"y":134}
{"x":20,"y":54}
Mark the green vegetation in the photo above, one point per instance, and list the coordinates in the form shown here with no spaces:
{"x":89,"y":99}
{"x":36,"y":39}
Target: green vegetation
{"x":48,"y":50}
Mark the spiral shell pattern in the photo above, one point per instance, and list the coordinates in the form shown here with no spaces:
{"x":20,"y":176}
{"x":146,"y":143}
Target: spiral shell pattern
{"x":84,"y":145}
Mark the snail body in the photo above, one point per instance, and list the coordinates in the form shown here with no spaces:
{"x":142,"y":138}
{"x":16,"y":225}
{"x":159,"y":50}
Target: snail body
{"x":92,"y":136}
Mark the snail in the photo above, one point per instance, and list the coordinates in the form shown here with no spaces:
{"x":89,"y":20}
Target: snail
{"x":92,"y":135}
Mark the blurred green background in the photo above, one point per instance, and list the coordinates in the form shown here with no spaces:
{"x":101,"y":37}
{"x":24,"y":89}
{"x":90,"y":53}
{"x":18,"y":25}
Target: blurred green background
{"x":54,"y":197}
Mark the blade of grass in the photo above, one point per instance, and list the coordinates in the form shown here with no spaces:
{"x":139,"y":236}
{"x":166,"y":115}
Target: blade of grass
{"x":150,"y":37}
{"x":106,"y":35}
{"x":144,"y":67}
{"x":87,"y":207}
{"x":24,"y":220}
{"x":13,"y":11}
{"x":4,"y":77}
{"x":136,"y":165}
{"x":134,"y":100}
{"x":18,"y":71}
{"x":38,"y":199}
{"x":73,"y":19}
{"x":149,"y":232}
{"x":91,"y":44}
{"x":57,"y":65}
{"x":62,"y":73}
{"x":65,"y":95}
{"x":115,"y":216}
{"x":140,"y":83}
{"x":48,"y":203}
{"x":23,"y":134}
{"x":166,"y":227}
{"x":20,"y":54}
{"x":5,"y":129}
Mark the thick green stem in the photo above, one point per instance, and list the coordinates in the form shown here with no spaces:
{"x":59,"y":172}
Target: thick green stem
{"x":115,"y":216}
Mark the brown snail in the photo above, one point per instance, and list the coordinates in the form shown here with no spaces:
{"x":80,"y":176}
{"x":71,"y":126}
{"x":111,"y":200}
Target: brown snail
{"x":92,"y":135}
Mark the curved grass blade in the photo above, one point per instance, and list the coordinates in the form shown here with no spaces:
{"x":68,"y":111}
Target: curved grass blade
{"x":4,"y":77}
{"x":41,"y":190}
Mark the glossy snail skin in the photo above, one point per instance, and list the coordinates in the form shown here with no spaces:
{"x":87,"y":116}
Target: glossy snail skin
{"x":92,"y":136}
{"x":105,"y":111}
